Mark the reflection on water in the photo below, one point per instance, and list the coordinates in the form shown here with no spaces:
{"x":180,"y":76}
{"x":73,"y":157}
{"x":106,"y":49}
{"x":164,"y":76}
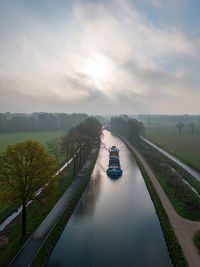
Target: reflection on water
{"x":90,"y":197}
{"x":115,"y":223}
{"x":114,"y":179}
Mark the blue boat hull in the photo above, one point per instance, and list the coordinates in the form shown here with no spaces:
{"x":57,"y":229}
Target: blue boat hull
{"x":114,"y":172}
{"x":114,"y":169}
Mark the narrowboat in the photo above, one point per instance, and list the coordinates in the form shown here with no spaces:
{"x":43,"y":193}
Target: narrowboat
{"x":114,"y":169}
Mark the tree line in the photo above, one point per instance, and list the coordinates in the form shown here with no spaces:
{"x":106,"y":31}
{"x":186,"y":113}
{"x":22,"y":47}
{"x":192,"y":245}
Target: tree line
{"x":131,"y":129}
{"x":79,"y":140}
{"x":180,"y":126}
{"x":152,"y":120}
{"x":39,"y":121}
{"x":27,"y":167}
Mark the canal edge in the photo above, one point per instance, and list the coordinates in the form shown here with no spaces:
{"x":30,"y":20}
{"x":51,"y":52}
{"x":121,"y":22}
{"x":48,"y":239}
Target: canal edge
{"x":44,"y":252}
{"x":174,"y":248}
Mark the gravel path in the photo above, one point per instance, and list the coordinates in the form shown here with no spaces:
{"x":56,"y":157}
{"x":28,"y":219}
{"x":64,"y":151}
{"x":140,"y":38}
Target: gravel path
{"x":184,"y":229}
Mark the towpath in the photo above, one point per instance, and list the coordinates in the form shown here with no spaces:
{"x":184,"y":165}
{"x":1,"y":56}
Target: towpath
{"x":184,"y":229}
{"x":30,"y":248}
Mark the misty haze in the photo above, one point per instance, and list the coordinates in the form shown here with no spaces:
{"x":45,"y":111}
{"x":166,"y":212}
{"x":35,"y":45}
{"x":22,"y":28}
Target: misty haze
{"x":99,"y":133}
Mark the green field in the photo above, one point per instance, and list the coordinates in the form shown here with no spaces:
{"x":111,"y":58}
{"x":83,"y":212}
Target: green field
{"x":185,"y":146}
{"x":41,"y":137}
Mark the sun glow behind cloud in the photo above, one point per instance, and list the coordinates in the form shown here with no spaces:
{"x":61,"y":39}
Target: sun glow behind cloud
{"x":103,"y":57}
{"x":97,"y":70}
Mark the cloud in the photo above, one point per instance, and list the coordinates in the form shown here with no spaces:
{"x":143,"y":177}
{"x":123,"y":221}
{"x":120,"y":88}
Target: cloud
{"x":44,"y":64}
{"x":164,"y":4}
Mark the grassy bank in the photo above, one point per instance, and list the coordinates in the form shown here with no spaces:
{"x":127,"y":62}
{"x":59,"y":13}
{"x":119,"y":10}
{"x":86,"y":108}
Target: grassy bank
{"x":41,"y":208}
{"x":172,"y":243}
{"x":53,"y":237}
{"x":185,"y":146}
{"x":189,"y":178}
{"x":6,"y":209}
{"x":196,"y":239}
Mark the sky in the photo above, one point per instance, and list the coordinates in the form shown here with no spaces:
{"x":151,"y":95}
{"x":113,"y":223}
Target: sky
{"x":100,"y":57}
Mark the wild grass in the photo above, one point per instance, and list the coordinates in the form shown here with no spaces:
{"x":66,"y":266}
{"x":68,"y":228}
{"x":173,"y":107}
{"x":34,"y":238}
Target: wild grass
{"x":196,"y":239}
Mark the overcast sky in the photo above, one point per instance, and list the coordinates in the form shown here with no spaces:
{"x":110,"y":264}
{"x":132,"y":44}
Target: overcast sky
{"x":100,"y":57}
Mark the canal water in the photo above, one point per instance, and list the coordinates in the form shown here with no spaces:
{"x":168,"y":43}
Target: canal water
{"x":115,"y":222}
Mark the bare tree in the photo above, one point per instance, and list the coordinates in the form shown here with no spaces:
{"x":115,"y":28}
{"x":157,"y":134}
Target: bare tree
{"x":192,"y":126}
{"x":54,"y":147}
{"x":180,"y":126}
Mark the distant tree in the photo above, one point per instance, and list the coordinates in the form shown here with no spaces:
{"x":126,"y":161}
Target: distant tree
{"x":76,"y":143}
{"x":84,"y":144}
{"x":53,"y":147}
{"x":79,"y":140}
{"x":24,"y":168}
{"x":90,"y":127}
{"x":180,"y":126}
{"x":130,"y":129}
{"x":136,"y":128}
{"x":101,"y":119}
{"x":68,"y":146}
{"x":125,"y":117}
{"x":192,"y":126}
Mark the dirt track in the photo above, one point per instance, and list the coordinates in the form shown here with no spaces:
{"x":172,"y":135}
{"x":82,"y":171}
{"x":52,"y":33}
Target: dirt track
{"x":183,"y":228}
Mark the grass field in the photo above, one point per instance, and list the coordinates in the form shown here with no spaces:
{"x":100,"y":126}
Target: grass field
{"x":13,"y":138}
{"x":185,"y":146}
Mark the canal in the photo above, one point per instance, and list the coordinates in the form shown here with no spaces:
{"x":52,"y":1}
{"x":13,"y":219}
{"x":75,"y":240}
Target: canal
{"x":115,"y":222}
